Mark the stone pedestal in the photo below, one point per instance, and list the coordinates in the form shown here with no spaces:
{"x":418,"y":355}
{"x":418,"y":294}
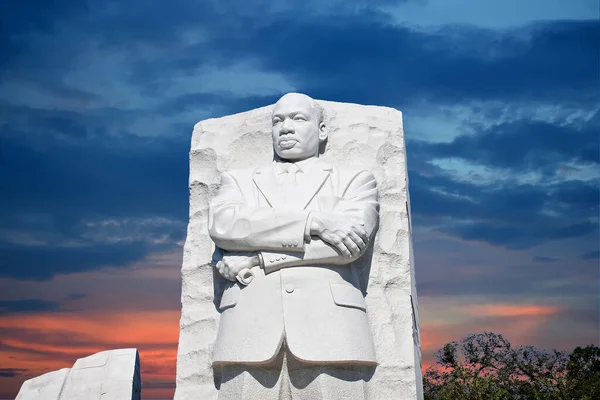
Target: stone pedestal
{"x":360,"y":136}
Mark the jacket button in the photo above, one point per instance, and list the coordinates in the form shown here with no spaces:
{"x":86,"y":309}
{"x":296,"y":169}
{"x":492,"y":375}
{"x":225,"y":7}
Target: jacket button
{"x":289,"y":288}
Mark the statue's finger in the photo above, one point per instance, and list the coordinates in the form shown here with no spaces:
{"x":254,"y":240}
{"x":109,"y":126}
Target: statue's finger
{"x":352,"y":247}
{"x":360,"y":231}
{"x":358,"y":240}
{"x":341,"y":246}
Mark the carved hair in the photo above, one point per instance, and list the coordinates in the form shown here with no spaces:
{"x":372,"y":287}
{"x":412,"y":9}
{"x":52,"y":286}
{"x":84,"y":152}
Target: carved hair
{"x":319,"y":111}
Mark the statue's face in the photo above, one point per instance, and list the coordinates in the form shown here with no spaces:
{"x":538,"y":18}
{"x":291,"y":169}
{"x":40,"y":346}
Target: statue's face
{"x":296,"y":130}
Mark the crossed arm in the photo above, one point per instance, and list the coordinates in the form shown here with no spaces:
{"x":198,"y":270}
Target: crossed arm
{"x":275,"y":238}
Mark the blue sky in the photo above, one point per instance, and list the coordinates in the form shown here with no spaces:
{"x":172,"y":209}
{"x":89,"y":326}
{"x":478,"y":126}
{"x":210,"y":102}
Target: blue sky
{"x":501,"y":105}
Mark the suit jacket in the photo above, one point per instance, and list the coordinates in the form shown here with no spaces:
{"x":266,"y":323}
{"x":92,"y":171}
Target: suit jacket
{"x":306,"y":293}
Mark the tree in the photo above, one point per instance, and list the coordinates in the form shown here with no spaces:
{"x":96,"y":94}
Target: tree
{"x":583,"y":373}
{"x":474,"y":368}
{"x":485,"y":366}
{"x":539,"y":374}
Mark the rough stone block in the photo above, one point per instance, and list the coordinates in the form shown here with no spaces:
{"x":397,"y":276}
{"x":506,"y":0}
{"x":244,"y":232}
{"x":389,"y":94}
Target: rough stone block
{"x":364,"y":137}
{"x":47,"y":386}
{"x":112,"y":374}
{"x":108,"y":375}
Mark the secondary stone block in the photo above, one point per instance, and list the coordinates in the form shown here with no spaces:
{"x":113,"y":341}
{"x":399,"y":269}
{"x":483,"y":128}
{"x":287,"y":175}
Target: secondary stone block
{"x":108,"y":375}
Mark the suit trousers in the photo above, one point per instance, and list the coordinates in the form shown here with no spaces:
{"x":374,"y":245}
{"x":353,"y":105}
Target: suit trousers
{"x":287,"y":378}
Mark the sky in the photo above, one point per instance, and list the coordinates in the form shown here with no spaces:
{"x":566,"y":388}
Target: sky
{"x":98,"y":98}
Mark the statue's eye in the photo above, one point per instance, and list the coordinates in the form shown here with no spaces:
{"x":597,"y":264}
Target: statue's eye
{"x":276,"y":121}
{"x":299,"y":118}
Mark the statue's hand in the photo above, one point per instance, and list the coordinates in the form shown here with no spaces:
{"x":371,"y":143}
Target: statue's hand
{"x":233,"y":262}
{"x":347,"y":235}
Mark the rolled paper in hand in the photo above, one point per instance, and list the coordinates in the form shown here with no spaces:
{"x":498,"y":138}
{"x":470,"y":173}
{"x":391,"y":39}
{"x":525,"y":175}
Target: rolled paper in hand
{"x":245,"y":276}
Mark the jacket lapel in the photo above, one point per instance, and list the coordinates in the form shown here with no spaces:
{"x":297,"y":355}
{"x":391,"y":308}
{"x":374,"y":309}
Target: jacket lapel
{"x":266,"y":181}
{"x":310,"y":185}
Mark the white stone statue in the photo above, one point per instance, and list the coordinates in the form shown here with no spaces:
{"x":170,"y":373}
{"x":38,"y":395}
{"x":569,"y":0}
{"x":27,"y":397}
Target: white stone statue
{"x":293,"y":320}
{"x":311,"y":291}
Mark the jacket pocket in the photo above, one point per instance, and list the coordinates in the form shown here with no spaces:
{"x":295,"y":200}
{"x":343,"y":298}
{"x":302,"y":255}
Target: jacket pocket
{"x":230,"y":297}
{"x":346,"y":295}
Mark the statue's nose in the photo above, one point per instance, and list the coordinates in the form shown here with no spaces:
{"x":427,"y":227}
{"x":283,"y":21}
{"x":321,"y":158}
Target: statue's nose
{"x":287,"y":127}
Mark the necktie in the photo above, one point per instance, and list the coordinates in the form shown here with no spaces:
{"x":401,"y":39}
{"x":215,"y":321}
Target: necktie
{"x":287,"y":181}
{"x":288,"y":176}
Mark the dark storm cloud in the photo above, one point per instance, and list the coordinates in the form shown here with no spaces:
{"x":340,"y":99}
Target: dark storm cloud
{"x":510,"y":215}
{"x":520,"y":236}
{"x":51,"y":342}
{"x":500,"y":283}
{"x":35,"y":305}
{"x":556,"y":60}
{"x":28,"y":305}
{"x":76,"y":296}
{"x":503,"y":211}
{"x":396,"y":64}
{"x":219,"y":104}
{"x":591,"y":255}
{"x":61,"y":183}
{"x":365,"y":59}
{"x":11,"y":372}
{"x":525,"y":145}
{"x":43,"y":262}
{"x":357,"y":55}
{"x":519,"y":216}
{"x":26,"y":16}
{"x":129,"y":175}
{"x":19,"y":19}
{"x":545,"y":259}
{"x":166,"y":384}
{"x":468,"y":268}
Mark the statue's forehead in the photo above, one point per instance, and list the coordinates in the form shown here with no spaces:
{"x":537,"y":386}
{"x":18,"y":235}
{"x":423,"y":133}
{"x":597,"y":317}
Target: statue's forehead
{"x":290,"y":104}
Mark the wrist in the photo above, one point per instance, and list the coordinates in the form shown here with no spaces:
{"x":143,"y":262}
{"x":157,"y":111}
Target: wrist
{"x":315,"y":223}
{"x":307,"y":228}
{"x":257,"y":260}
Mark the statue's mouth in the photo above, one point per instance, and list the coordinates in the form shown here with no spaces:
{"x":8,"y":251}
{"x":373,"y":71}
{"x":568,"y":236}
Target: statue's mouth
{"x":287,"y":143}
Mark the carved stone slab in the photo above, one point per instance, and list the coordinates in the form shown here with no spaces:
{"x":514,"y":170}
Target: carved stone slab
{"x":112,"y":374}
{"x":108,"y":375}
{"x":360,"y":136}
{"x":47,"y":386}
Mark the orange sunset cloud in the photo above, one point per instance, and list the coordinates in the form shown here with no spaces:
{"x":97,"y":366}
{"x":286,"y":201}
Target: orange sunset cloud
{"x":513,"y":310}
{"x":39,"y":343}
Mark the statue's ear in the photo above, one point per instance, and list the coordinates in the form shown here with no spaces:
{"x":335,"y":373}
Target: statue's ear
{"x":322,"y":132}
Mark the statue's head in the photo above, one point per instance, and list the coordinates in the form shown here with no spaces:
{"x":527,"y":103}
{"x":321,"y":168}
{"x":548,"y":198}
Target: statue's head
{"x":298,"y":127}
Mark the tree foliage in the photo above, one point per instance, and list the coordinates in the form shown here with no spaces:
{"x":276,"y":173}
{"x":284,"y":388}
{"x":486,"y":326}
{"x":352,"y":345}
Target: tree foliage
{"x":583,"y":373}
{"x":486,"y":366}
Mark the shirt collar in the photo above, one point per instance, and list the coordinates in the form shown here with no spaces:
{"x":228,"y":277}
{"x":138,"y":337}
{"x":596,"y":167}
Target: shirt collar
{"x":303,"y":165}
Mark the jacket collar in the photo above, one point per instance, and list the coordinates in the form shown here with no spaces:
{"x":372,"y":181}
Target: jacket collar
{"x":316,"y":173}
